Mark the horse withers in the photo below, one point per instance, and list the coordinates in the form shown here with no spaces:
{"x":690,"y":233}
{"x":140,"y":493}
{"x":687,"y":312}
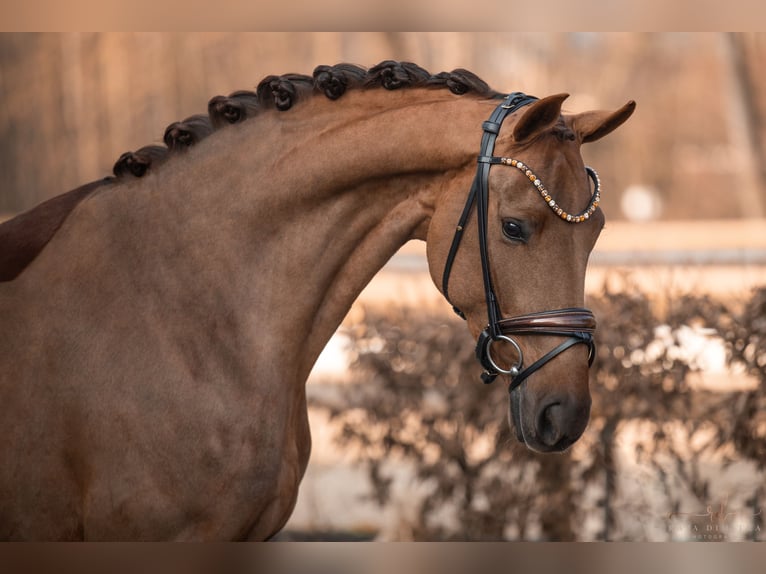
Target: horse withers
{"x":158,"y":327}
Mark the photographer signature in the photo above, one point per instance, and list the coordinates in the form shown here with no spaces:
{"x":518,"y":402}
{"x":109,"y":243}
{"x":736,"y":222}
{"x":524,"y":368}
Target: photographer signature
{"x":716,"y":516}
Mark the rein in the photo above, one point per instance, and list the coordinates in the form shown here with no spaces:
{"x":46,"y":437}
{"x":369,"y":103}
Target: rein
{"x":575,"y":323}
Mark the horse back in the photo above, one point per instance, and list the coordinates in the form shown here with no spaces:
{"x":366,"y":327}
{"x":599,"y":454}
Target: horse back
{"x":23,"y":237}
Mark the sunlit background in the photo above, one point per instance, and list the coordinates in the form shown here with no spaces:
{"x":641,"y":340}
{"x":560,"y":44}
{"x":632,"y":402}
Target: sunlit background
{"x":680,"y":263}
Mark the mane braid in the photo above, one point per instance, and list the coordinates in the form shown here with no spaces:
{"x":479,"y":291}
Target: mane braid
{"x":137,"y":163}
{"x":283,"y":92}
{"x":462,"y":81}
{"x":394,"y":75}
{"x":333,"y":81}
{"x":232,"y":109}
{"x":182,"y":135}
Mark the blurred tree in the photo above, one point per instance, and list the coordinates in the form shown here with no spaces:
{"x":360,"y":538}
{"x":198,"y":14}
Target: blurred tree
{"x":422,"y":406}
{"x":745,"y":126}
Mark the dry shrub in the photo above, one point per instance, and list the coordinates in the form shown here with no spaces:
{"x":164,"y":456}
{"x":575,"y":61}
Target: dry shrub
{"x":421,"y":403}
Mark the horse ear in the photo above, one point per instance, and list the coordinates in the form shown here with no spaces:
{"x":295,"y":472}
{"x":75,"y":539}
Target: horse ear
{"x":538,"y":117}
{"x":594,"y":125}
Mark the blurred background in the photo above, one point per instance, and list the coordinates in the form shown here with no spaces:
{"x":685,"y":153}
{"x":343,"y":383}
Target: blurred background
{"x":408,"y":444}
{"x":74,"y":102}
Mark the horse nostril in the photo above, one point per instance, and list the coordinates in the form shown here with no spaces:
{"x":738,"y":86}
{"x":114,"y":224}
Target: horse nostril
{"x":561,"y":422}
{"x":549,"y":424}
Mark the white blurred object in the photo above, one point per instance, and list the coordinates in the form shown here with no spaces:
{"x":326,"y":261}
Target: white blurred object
{"x":641,"y":203}
{"x":334,"y":359}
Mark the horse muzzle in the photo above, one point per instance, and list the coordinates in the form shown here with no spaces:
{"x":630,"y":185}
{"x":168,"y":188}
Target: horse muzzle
{"x":556,"y":424}
{"x":551,"y":422}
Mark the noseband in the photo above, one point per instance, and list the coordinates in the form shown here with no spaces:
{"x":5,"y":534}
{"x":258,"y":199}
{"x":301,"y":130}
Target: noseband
{"x":575,"y":323}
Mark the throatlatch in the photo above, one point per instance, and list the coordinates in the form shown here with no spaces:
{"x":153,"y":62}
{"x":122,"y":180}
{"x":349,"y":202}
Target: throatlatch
{"x":576,"y":323}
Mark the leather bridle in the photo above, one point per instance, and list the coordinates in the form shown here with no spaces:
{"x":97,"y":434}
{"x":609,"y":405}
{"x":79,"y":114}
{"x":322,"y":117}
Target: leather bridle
{"x":576,"y":323}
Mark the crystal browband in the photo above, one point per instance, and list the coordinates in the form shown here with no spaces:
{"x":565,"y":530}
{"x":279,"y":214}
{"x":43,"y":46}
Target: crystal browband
{"x":580,"y":217}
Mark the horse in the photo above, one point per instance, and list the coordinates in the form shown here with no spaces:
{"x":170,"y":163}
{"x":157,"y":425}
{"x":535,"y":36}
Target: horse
{"x":159,"y":325}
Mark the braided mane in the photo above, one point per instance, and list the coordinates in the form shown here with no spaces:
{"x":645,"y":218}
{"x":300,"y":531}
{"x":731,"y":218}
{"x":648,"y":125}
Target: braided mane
{"x":283,"y":92}
{"x":24,"y":237}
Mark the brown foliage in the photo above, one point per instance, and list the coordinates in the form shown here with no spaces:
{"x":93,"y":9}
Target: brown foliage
{"x":423,"y":404}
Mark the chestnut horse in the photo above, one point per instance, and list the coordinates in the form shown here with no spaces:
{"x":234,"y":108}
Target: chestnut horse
{"x":158,"y":326}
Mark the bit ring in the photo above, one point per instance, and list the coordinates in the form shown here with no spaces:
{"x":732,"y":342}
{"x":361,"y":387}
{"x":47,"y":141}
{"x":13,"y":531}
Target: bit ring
{"x":513,"y":370}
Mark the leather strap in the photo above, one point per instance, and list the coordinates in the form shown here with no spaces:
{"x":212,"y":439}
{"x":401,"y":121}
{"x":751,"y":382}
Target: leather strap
{"x":571,"y":320}
{"x":584,"y":338}
{"x":491,"y":127}
{"x":576,"y":324}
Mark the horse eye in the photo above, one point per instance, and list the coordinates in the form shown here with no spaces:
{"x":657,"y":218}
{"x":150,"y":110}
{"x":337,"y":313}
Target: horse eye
{"x":513,"y":231}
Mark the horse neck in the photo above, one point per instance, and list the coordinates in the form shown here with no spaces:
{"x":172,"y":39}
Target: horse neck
{"x":307,"y":205}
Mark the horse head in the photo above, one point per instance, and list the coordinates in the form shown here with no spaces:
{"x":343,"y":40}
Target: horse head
{"x":511,"y":258}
